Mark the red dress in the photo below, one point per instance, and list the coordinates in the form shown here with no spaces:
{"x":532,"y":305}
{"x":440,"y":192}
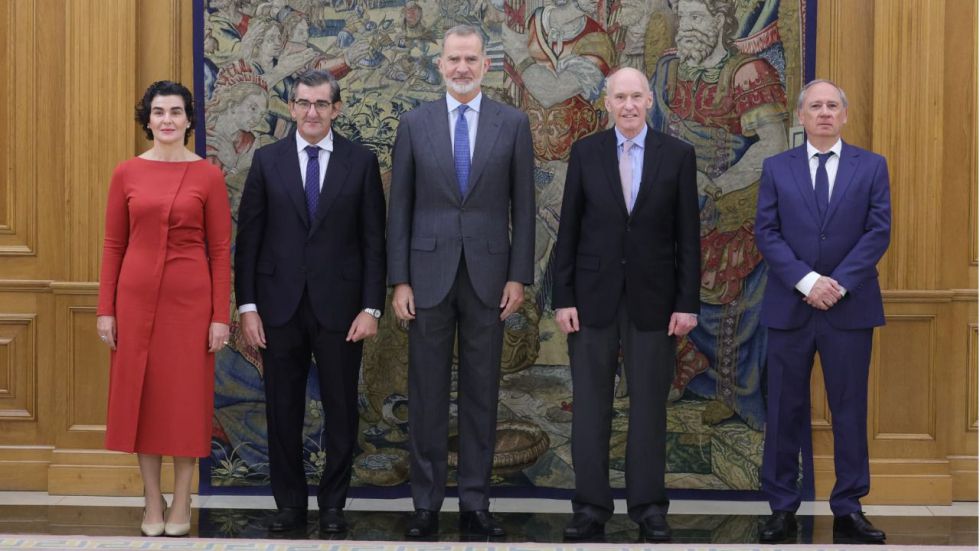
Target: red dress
{"x":166,"y":275}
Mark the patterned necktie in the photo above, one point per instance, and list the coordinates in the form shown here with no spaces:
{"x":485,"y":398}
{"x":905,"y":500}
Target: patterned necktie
{"x":626,"y":174}
{"x":312,"y":183}
{"x":821,"y":184}
{"x":461,"y":151}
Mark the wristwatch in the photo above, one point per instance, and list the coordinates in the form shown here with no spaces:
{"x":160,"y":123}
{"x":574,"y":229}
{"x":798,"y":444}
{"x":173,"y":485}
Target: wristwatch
{"x":375,"y":313}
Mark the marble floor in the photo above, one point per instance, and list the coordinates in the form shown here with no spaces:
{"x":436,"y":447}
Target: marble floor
{"x":526,"y":520}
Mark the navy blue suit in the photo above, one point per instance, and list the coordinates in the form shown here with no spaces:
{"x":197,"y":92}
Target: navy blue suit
{"x":845,"y":245}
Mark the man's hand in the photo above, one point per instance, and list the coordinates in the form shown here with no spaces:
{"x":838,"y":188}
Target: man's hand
{"x":217,"y":336}
{"x":824,"y":294}
{"x":403,"y":302}
{"x":253,"y":330}
{"x":364,"y":326}
{"x":567,"y":319}
{"x":106,"y":328}
{"x":512,"y":298}
{"x":681,"y":323}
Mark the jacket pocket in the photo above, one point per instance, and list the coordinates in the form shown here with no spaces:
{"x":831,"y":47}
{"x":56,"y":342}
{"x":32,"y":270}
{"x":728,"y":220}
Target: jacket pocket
{"x":424,"y":243}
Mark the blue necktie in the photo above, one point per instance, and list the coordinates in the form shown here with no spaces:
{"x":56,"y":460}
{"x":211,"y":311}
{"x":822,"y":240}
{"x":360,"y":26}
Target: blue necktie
{"x":312,"y":183}
{"x":461,"y":151}
{"x":821,"y":184}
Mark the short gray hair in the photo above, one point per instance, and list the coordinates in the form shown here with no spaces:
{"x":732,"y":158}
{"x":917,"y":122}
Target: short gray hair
{"x":814,"y":82}
{"x":464,"y":31}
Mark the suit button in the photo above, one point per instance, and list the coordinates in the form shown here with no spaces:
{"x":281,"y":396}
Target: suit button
{"x":823,"y":237}
{"x":623,"y":261}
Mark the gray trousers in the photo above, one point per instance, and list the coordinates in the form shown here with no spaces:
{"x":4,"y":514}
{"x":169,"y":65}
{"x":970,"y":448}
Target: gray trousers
{"x":648,"y":359}
{"x":430,"y":345}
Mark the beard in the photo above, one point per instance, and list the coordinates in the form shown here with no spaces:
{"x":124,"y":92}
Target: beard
{"x":463,"y":89}
{"x":693,"y":46}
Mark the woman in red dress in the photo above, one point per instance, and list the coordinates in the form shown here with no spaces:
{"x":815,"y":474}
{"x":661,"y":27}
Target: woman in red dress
{"x":164,"y":302}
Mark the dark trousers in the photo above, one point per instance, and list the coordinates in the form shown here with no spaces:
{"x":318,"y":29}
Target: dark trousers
{"x":648,"y":358}
{"x":844,"y":358}
{"x":430,"y":343}
{"x":286,"y":362}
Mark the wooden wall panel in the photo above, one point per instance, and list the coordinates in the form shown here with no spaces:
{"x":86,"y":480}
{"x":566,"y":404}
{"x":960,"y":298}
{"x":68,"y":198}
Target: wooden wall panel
{"x":902,"y":374}
{"x":908,"y":132}
{"x":99,"y":96}
{"x":18,"y":194}
{"x":18,"y":367}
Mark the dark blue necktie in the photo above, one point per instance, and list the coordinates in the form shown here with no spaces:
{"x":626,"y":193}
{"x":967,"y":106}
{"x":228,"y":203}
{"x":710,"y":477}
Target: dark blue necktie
{"x":461,"y":150}
{"x":312,"y":183}
{"x":821,"y":184}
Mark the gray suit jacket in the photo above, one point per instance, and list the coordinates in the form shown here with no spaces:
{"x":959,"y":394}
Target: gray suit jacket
{"x":430,"y":225}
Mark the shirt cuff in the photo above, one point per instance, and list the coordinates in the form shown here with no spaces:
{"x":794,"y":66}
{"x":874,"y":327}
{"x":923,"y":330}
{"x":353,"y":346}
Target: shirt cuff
{"x":250,"y":307}
{"x":805,"y":285}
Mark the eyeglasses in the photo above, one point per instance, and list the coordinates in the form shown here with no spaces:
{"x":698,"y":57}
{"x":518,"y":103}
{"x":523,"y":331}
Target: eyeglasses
{"x":321,"y":105}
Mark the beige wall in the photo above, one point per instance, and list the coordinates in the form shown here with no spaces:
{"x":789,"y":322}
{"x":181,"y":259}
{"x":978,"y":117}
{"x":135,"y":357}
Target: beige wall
{"x":73,"y":69}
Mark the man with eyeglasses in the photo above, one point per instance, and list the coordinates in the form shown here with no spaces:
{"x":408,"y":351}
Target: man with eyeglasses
{"x":310,"y":281}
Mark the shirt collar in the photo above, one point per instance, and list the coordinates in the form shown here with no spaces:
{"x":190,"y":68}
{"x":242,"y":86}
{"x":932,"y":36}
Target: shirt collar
{"x":836,"y":148}
{"x":453,"y":103}
{"x":637,"y":140}
{"x":326,"y":143}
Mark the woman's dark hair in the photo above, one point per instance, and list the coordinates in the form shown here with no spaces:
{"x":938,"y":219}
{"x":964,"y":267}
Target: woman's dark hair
{"x":165,"y":88}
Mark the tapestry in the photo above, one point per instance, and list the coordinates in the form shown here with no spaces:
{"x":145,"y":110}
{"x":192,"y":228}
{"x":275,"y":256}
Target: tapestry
{"x":724,"y":75}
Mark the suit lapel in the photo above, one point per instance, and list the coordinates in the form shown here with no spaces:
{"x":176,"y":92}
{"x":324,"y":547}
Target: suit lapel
{"x":335,"y":179}
{"x":487,"y":131}
{"x":800,"y":167}
{"x":651,"y":166}
{"x":437,"y":124}
{"x":609,"y":157}
{"x":846,"y":169}
{"x":292,"y":179}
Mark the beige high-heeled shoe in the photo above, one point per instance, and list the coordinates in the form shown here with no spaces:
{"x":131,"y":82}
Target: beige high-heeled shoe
{"x":153,"y":529}
{"x":174,"y":529}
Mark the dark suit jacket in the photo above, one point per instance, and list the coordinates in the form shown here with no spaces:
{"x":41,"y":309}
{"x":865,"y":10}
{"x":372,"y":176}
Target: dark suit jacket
{"x":846,"y":245}
{"x":653,"y":252}
{"x":430,"y":226}
{"x":339,"y":256}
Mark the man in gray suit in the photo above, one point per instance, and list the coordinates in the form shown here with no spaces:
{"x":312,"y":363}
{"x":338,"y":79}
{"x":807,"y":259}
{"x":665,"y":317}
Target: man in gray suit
{"x":460,"y":250}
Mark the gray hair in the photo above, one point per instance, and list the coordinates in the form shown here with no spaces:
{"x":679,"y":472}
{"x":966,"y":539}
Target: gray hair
{"x":315,"y":77}
{"x":464,"y":31}
{"x":814,"y":82}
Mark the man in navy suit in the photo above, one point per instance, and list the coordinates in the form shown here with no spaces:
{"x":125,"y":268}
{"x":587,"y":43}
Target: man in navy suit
{"x":310,"y":281}
{"x":822,"y":224}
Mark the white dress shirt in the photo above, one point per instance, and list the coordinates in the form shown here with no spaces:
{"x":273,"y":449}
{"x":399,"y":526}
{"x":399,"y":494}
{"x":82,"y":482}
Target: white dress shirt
{"x":472,"y":118}
{"x":805,"y":285}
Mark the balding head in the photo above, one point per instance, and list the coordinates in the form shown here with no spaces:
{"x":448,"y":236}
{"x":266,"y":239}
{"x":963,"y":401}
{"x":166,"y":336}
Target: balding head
{"x":628,"y":99}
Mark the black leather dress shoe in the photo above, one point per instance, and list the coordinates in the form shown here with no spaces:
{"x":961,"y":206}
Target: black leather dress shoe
{"x":422,"y":524}
{"x":332,"y":520}
{"x":288,"y":519}
{"x":780,"y":526}
{"x":655,"y":528}
{"x":856,"y":528}
{"x":584,"y":527}
{"x":480,"y":522}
